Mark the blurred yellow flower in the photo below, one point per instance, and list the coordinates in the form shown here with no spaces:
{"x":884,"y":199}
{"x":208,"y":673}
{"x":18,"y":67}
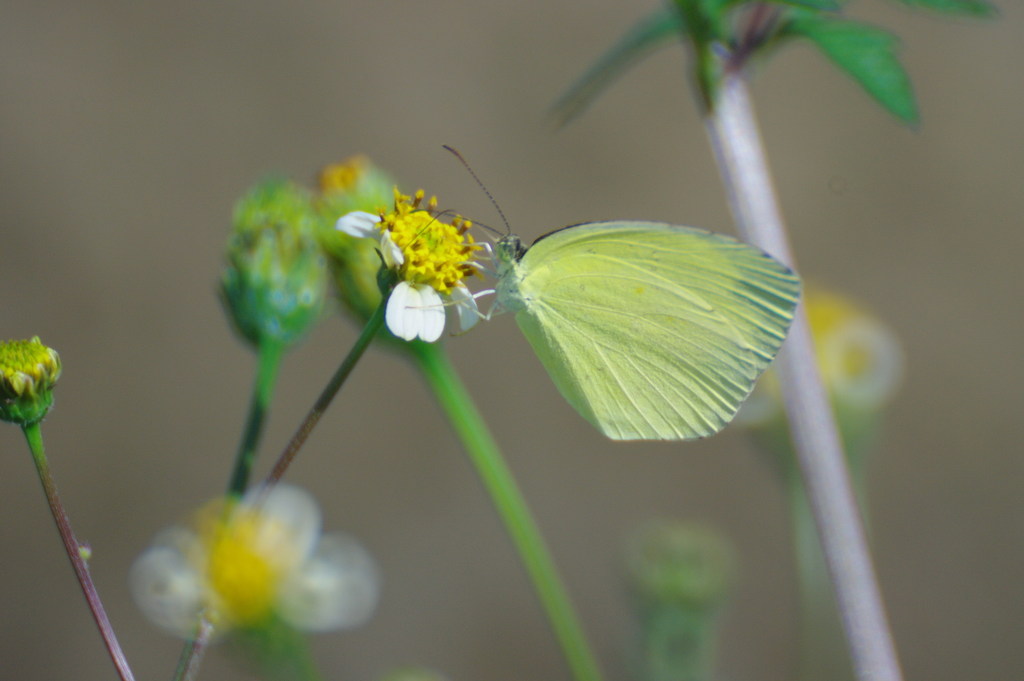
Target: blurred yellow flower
{"x":861,"y":365}
{"x":245,"y":561}
{"x":859,"y":358}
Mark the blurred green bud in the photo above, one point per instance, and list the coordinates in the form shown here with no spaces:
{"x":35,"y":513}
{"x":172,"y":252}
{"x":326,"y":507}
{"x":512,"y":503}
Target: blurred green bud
{"x":681,"y":575}
{"x":680,"y":565}
{"x":28,"y":372}
{"x":353,"y":185}
{"x":415,"y":674}
{"x":274,"y":284}
{"x":860,"y":362}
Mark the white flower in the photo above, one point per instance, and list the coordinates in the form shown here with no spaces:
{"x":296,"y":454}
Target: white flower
{"x":247,"y":560}
{"x":431,"y":258}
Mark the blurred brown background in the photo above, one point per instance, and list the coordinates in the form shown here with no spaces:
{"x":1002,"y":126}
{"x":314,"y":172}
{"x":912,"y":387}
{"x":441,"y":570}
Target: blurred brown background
{"x":128,"y":130}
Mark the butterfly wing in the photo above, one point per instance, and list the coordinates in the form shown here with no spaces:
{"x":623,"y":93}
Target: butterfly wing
{"x":650,"y":330}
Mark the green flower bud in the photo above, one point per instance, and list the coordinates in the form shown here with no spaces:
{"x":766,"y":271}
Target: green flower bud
{"x":681,"y":575}
{"x":354,"y":184}
{"x":682,"y":565}
{"x":275,"y":281}
{"x":415,"y":674}
{"x":28,"y":372}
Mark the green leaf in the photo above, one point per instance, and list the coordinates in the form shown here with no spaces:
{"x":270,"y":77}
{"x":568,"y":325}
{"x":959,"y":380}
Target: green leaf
{"x":974,"y":8}
{"x":865,"y":53}
{"x":707,"y":26}
{"x":656,"y":30}
{"x":707,"y":21}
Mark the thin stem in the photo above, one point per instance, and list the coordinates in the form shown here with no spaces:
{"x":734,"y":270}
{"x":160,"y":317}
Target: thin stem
{"x":739,"y":152}
{"x":270,"y":354}
{"x":76,"y":552}
{"x":193,"y":652}
{"x":509,"y":502}
{"x":678,"y":643}
{"x":330,"y":390}
{"x":822,"y":653}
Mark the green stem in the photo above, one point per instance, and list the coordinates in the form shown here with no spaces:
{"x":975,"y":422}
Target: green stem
{"x":822,"y":653}
{"x":275,"y":650}
{"x":678,"y":644}
{"x":270,"y":354}
{"x":76,"y":552}
{"x":509,"y":502}
{"x":193,"y":652}
{"x":330,"y":390}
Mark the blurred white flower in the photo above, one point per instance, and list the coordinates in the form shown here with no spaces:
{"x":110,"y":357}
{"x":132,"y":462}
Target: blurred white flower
{"x":245,"y":561}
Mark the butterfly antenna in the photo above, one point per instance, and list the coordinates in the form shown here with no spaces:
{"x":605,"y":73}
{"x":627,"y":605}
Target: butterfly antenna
{"x":454,"y":152}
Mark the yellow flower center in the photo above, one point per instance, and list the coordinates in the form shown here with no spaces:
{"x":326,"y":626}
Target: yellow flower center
{"x":341,"y":177}
{"x":27,"y":368}
{"x":828,"y":314}
{"x":436,"y":253}
{"x":242,"y":573}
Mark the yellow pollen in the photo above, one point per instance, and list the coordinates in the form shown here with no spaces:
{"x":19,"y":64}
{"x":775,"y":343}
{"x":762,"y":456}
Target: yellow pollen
{"x":239,"y":571}
{"x":341,"y":177}
{"x":436,"y":253}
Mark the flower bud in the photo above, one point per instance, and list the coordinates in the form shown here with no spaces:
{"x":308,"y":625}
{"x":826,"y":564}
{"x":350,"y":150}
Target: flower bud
{"x":28,"y":372}
{"x":353,"y":185}
{"x":275,"y":280}
{"x":681,"y":575}
{"x":415,"y":674}
{"x":682,"y":565}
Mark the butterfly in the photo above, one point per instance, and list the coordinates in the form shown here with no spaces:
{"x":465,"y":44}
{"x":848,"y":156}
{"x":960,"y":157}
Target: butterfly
{"x":651,"y":331}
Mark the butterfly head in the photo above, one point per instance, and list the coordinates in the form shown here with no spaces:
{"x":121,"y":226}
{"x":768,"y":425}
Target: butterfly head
{"x":510,"y":249}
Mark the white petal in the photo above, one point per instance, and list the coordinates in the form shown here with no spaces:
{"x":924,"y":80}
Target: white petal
{"x":874,"y":381}
{"x":393,"y":256}
{"x":433,"y":315}
{"x":358,"y":224}
{"x":167,"y":590}
{"x":291,"y":523}
{"x":415,"y":310}
{"x":337,"y":587}
{"x":465,"y":305}
{"x":402,"y":314}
